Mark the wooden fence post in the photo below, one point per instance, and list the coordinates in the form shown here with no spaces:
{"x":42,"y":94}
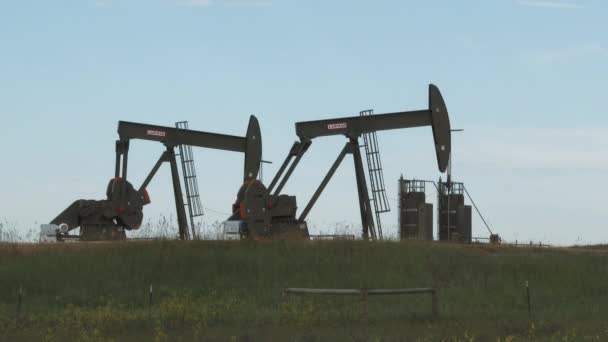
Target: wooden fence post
{"x":150,"y":302}
{"x":19,"y":302}
{"x":364,"y":294}
{"x":434,"y":304}
{"x":528,"y":298}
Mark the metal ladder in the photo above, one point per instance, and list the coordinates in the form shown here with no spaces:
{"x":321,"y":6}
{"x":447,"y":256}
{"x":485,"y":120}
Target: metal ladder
{"x":376,"y":177}
{"x":193,"y":200}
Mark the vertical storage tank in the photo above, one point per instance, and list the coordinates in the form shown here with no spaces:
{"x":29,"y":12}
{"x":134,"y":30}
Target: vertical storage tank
{"x":453,"y":216}
{"x":415,"y":215}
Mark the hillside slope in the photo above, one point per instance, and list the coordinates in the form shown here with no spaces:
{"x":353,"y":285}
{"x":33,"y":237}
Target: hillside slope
{"x":217,"y":290}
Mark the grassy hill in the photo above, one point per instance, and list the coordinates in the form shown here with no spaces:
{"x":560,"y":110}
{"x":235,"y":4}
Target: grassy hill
{"x":209,"y":290}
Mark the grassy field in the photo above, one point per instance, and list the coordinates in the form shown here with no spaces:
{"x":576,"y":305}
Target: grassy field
{"x":233,"y":291}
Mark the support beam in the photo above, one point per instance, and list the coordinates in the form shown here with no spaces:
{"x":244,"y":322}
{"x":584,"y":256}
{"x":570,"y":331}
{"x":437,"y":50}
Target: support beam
{"x":292,"y":153}
{"x":163,"y":158}
{"x":119,"y":148}
{"x":435,"y":116}
{"x":347,"y":149}
{"x":302,"y":148}
{"x":182,"y":221}
{"x":367,"y":220}
{"x":250,"y":145}
{"x":357,"y":125}
{"x":174,"y":136}
{"x":125,"y":164}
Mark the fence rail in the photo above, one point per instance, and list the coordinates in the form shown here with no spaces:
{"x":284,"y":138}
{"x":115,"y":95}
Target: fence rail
{"x":332,"y":237}
{"x":364,"y":293}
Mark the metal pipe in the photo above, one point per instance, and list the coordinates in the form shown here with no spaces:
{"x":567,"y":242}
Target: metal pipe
{"x":477,"y":209}
{"x":381,"y":292}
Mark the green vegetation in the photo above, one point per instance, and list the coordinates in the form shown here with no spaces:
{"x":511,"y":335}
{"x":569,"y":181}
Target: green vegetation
{"x":209,"y":290}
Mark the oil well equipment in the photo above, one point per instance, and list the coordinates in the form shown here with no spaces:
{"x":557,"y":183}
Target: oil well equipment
{"x":454,"y":216}
{"x":415,"y":215}
{"x":122,"y":209}
{"x":266,"y":213}
{"x":376,"y":175}
{"x":259,"y":212}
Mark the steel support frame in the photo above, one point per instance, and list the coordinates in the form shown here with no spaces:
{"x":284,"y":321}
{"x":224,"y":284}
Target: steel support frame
{"x":351,"y":147}
{"x":296,"y":153}
{"x":294,"y":150}
{"x":122,"y":153}
{"x":347,"y":149}
{"x":163,"y":158}
{"x":367,"y":220}
{"x":182,"y":220}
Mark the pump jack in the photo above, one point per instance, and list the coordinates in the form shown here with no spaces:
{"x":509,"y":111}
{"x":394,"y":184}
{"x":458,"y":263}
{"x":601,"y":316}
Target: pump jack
{"x":258,"y":212}
{"x":267,"y":213}
{"x":123,"y":209}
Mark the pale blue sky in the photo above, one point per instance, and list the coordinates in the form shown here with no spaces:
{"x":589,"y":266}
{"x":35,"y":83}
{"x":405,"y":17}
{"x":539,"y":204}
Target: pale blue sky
{"x":525,"y":79}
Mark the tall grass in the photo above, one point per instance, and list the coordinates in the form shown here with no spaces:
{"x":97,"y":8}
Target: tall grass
{"x":9,"y":232}
{"x":164,"y":227}
{"x":212,"y":289}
